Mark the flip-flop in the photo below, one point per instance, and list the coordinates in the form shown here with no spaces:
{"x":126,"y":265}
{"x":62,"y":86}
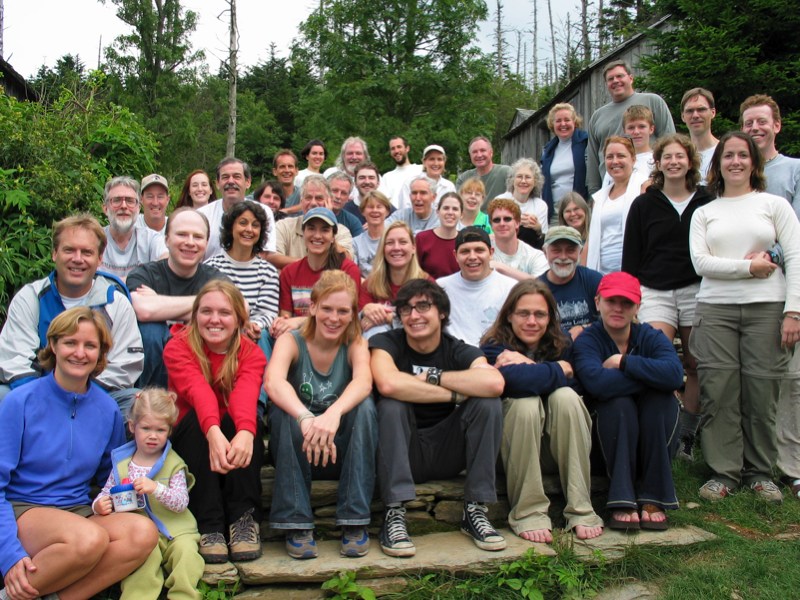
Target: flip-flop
{"x":653,"y":525}
{"x":614,"y":523}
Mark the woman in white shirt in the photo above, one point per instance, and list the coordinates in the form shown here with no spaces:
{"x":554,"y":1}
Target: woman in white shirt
{"x":747,"y":318}
{"x":611,"y":206}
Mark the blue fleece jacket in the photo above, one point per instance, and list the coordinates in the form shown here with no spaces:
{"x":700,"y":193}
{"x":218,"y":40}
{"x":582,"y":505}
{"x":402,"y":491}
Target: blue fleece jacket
{"x":53,"y":444}
{"x":579,"y":141}
{"x":527,"y":380}
{"x":651,"y":362}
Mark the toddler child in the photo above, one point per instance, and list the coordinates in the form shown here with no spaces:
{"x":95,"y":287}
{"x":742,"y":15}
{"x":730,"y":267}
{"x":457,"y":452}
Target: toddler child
{"x":160,"y":476}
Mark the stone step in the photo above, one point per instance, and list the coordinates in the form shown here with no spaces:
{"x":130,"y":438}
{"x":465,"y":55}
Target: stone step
{"x":449,"y":552}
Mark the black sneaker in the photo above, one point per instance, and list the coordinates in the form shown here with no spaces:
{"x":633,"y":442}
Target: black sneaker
{"x":394,"y":534}
{"x":475,"y":524}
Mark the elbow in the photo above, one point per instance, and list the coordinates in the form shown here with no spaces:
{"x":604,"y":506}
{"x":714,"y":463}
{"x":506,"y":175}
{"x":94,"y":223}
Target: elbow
{"x":386,"y":388}
{"x":496,"y":385}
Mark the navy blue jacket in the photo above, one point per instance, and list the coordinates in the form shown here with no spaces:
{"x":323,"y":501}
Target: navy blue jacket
{"x":651,"y":362}
{"x":523,"y":381}
{"x":580,"y":139}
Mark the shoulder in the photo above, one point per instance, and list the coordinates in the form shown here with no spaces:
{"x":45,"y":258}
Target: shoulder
{"x":580,"y":136}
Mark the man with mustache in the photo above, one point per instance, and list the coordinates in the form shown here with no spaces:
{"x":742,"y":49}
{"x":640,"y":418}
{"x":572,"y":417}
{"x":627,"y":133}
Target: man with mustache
{"x":574,"y":286}
{"x":233,"y":181}
{"x":129,"y":244}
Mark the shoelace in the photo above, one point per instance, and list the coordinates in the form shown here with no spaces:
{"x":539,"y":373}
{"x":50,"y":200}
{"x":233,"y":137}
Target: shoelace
{"x":211,"y":539}
{"x":244,"y":529}
{"x":715,"y":486}
{"x":396,"y":524}
{"x":477,"y":516}
{"x":767,"y":486}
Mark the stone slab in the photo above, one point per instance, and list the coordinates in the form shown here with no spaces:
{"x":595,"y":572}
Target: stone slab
{"x":226,"y":572}
{"x":633,"y":591}
{"x":450,"y":552}
{"x":612,"y":544}
{"x":380,"y":587}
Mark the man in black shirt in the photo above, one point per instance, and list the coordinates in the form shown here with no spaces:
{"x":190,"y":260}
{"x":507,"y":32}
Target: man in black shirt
{"x":439,"y":412}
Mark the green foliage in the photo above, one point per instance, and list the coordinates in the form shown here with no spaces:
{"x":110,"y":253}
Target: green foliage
{"x":344,"y":586}
{"x":58,"y":158}
{"x":536,"y":576}
{"x":734,"y":50}
{"x":223,"y":591}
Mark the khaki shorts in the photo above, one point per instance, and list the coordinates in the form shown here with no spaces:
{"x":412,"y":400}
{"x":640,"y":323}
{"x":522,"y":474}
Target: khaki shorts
{"x":21,"y":508}
{"x":674,"y":307}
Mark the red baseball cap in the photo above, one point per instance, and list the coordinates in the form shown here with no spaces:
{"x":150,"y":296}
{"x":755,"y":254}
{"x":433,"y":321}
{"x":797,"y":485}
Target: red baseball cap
{"x":620,"y":284}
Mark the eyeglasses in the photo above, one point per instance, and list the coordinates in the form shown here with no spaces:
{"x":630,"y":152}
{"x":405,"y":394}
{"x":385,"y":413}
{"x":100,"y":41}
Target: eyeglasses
{"x":421,"y":307}
{"x":524,"y":315}
{"x":700,"y":110}
{"x":502,"y":219}
{"x":118,"y":201}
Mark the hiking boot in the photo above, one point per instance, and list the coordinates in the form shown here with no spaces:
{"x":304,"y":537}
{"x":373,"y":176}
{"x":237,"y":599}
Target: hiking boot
{"x":213,"y":548}
{"x":245,"y":541}
{"x":300,"y":544}
{"x":355,"y":541}
{"x":685,"y":449}
{"x":766,"y":490}
{"x":714,"y":491}
{"x":394,"y":534}
{"x":475,"y":524}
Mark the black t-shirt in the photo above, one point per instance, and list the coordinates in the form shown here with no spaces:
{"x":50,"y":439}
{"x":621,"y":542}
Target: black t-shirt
{"x":163,"y":281}
{"x":451,"y":355}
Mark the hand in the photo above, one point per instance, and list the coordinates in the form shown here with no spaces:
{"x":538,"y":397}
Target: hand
{"x":566,"y":367}
{"x":240,"y":452}
{"x":790,"y":332}
{"x":144,"y":485}
{"x":218,"y":447}
{"x":510,"y":357}
{"x":103,"y":506}
{"x":283,"y":324}
{"x":530,"y":221}
{"x":144,"y":290}
{"x":574,"y":332}
{"x":612,"y":362}
{"x":761,"y":267}
{"x":16,"y":580}
{"x":378,"y":314}
{"x":318,"y":437}
{"x":252,"y":330}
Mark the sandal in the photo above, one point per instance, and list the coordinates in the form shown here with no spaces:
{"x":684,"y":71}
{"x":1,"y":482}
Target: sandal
{"x":614,"y":523}
{"x":653,"y":525}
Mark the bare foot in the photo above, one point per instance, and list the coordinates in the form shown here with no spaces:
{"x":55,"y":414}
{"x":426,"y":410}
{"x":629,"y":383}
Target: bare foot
{"x":626,"y":516}
{"x":542,"y":536}
{"x":656,"y":516}
{"x":582,"y":532}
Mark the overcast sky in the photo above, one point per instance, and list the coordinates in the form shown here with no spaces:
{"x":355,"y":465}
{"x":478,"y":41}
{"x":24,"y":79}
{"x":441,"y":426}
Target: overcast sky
{"x":39,"y":32}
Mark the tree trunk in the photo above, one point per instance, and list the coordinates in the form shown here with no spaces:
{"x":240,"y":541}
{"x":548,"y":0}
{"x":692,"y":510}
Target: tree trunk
{"x":499,"y":38}
{"x":535,"y":74}
{"x":587,"y":51}
{"x":552,"y":39}
{"x":232,"y":80}
{"x":1,"y":28}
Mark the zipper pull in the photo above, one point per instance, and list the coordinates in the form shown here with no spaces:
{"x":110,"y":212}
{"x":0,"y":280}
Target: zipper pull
{"x":74,"y":406}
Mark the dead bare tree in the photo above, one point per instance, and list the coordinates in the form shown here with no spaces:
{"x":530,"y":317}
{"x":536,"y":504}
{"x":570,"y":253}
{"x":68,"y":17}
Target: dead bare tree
{"x":587,"y":49}
{"x":552,"y":41}
{"x":1,"y":28}
{"x":233,"y":76}
{"x":535,"y":74}
{"x":498,"y":33}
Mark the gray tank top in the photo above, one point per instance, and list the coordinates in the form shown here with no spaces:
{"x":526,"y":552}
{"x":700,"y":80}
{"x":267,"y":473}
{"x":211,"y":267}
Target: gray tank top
{"x":315,"y":389}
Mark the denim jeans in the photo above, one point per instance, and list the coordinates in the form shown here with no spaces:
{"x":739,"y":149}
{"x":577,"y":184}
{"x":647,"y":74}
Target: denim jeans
{"x":356,"y":443}
{"x":154,"y":337}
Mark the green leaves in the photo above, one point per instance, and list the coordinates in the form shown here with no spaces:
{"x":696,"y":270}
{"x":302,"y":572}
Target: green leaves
{"x":344,"y":586}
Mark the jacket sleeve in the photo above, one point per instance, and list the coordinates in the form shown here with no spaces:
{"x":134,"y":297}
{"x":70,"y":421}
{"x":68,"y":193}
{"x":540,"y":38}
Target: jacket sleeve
{"x":126,"y":358}
{"x":655,"y":363}
{"x":19,"y":339}
{"x":538,"y":379}
{"x":12,"y":425}
{"x":243,"y":399}
{"x":186,"y":379}
{"x":599,"y":382}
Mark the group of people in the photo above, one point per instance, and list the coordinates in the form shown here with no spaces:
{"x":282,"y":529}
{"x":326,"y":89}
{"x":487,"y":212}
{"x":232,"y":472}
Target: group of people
{"x":390,"y":330}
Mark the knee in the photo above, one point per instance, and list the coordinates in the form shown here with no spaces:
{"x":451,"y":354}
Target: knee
{"x":565,"y":401}
{"x":88,"y":544}
{"x":141,"y":537}
{"x":390,"y":410}
{"x":524,"y":412}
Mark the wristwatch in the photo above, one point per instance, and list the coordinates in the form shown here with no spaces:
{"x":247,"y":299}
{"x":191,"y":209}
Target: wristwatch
{"x":434,"y":376}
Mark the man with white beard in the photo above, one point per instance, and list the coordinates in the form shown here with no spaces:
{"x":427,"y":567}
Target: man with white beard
{"x":129,"y":244}
{"x":574,"y":286}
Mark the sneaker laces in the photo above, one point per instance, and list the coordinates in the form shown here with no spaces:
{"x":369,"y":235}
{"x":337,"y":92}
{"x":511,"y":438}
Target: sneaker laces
{"x":396,"y":524}
{"x":715,"y":486}
{"x":767,"y":486}
{"x":476,"y":513}
{"x":210,"y":539}
{"x":244,"y":530}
